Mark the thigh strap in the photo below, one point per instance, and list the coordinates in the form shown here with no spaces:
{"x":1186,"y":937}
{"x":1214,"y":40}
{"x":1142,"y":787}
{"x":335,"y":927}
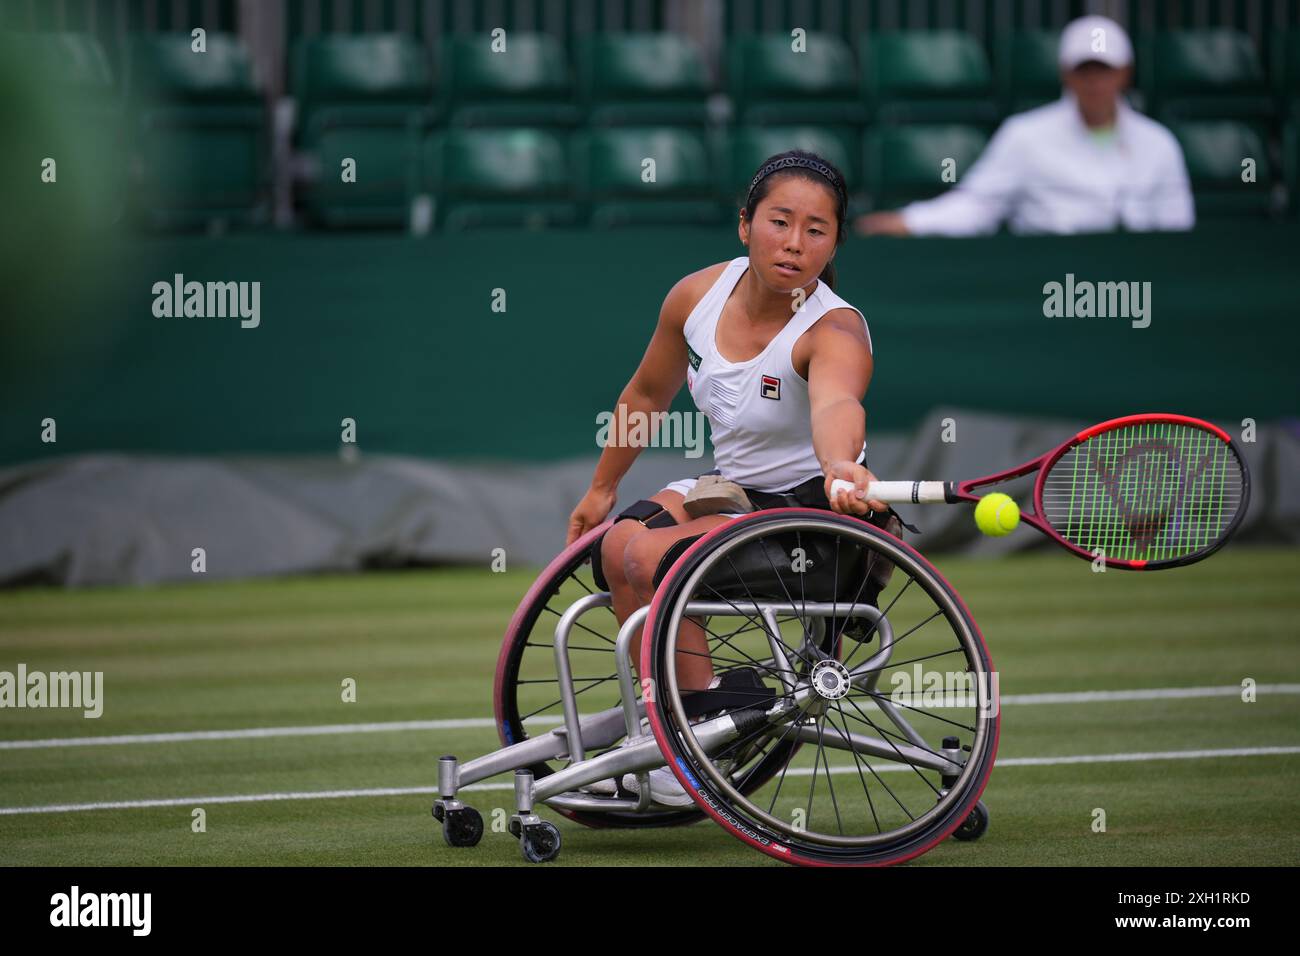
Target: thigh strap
{"x":650,"y":513}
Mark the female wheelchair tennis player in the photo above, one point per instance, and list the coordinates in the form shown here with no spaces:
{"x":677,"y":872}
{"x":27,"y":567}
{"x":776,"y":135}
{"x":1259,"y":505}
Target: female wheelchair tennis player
{"x":772,"y":606}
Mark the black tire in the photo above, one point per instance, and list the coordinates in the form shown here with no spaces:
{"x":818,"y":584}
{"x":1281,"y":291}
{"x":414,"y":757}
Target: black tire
{"x":540,"y":842}
{"x":462,"y":827}
{"x":975,"y":824}
{"x":927,"y":810}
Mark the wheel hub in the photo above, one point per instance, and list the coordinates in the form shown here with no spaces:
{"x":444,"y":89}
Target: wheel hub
{"x":830,"y":679}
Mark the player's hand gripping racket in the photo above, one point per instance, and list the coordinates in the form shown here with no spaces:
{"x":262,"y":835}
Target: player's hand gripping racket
{"x":1144,"y":491}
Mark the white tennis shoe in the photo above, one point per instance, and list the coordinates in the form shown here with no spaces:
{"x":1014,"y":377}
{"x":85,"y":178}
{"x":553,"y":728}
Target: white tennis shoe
{"x":609,"y":786}
{"x":665,"y":789}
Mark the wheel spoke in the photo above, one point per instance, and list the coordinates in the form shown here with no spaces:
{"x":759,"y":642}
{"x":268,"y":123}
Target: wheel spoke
{"x":857,"y":762}
{"x":830,"y":784}
{"x":919,"y":710}
{"x":579,"y":624}
{"x":862,"y":642}
{"x":886,"y":739}
{"x":756,"y":621}
{"x":573,"y":647}
{"x":885,"y":732}
{"x":595,"y":683}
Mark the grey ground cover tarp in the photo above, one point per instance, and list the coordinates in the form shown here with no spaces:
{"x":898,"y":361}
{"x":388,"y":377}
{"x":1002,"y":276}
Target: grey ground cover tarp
{"x":102,"y":519}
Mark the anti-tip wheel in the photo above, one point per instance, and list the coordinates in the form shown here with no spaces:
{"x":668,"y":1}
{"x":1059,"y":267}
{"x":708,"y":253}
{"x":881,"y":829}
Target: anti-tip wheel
{"x":976,"y":822}
{"x":540,"y":842}
{"x":462,"y":827}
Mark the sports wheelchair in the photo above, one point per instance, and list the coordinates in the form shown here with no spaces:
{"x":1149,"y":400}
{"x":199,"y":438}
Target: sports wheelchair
{"x":822,"y":743}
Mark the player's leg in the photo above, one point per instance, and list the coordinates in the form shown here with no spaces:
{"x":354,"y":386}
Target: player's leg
{"x":641,"y":559}
{"x":630,"y":556}
{"x":614,"y":544}
{"x":626,"y":595}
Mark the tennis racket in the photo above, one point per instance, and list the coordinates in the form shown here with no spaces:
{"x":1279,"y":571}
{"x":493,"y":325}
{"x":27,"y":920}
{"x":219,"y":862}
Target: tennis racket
{"x":1143,"y":492}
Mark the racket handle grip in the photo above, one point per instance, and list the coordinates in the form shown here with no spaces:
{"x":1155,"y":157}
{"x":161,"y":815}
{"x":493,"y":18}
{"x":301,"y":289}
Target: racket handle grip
{"x":914,"y":492}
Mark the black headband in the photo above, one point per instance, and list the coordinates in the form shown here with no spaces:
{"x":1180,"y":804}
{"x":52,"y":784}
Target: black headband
{"x":786,"y":162}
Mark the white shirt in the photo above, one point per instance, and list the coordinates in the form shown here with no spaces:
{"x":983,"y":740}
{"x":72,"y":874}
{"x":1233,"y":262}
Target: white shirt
{"x":758,"y":410}
{"x":1045,"y":172}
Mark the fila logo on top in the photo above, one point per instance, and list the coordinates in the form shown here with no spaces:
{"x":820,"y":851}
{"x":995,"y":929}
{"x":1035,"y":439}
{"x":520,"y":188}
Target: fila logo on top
{"x":770,"y":387}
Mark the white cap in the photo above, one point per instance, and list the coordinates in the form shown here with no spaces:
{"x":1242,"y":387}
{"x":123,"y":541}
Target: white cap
{"x":1094,"y":38}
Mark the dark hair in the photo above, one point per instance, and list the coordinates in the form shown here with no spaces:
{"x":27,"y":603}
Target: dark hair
{"x":809,"y":166}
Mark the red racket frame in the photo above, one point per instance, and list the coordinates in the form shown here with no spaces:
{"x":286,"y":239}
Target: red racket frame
{"x":964,"y":490}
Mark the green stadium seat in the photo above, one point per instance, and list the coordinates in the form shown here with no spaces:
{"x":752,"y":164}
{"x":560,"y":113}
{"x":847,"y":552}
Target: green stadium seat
{"x":1208,"y":74}
{"x":905,"y":163}
{"x":1214,"y":151}
{"x":770,"y":83}
{"x":384,"y":157}
{"x":642,"y":79}
{"x":610,"y":164}
{"x":747,"y":148}
{"x":365,"y":97}
{"x":357,"y":74}
{"x":927,"y":76}
{"x":200,"y":137}
{"x":1033,"y":76}
{"x":499,"y":177}
{"x":527,"y":84}
{"x":163,"y":67}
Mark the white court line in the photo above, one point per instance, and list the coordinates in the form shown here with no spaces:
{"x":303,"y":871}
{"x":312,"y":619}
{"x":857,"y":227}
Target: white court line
{"x":325,"y":730}
{"x":797,"y":772}
{"x":319,"y":730}
{"x":1149,"y":693}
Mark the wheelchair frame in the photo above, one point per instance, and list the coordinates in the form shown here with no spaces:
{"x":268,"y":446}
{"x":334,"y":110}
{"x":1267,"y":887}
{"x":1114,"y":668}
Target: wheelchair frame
{"x":641,"y":752}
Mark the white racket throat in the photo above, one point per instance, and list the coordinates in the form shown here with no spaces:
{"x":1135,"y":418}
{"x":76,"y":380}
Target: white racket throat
{"x":916,"y":492}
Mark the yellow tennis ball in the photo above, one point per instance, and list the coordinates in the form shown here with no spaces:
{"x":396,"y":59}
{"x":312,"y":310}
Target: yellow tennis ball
{"x":997,"y":514}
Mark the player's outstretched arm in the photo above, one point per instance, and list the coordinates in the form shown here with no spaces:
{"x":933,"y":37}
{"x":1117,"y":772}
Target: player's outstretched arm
{"x":838,"y":375}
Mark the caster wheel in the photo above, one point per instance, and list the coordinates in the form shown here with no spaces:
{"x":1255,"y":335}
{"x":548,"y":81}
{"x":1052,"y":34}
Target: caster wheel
{"x":973,"y":827}
{"x":463,"y":827}
{"x":540,"y":842}
{"x":437,"y":810}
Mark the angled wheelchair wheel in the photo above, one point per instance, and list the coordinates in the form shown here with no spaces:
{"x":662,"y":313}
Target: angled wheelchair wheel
{"x":527,"y":693}
{"x":851,"y":644}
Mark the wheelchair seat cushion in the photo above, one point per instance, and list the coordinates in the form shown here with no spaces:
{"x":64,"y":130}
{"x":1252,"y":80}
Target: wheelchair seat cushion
{"x":675,"y":551}
{"x":765,"y":568}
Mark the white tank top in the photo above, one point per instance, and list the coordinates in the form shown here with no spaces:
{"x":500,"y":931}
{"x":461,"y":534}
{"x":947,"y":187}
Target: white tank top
{"x":759,"y":409}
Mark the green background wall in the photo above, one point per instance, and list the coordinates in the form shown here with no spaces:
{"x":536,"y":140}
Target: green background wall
{"x":399,"y":334}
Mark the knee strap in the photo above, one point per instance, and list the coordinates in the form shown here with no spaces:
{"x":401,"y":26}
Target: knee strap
{"x":650,"y":513}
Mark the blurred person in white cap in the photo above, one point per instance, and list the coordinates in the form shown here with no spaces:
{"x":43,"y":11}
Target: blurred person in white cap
{"x":1085,"y":163}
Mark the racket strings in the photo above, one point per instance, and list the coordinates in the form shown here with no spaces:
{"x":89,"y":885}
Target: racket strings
{"x":1148,"y":491}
